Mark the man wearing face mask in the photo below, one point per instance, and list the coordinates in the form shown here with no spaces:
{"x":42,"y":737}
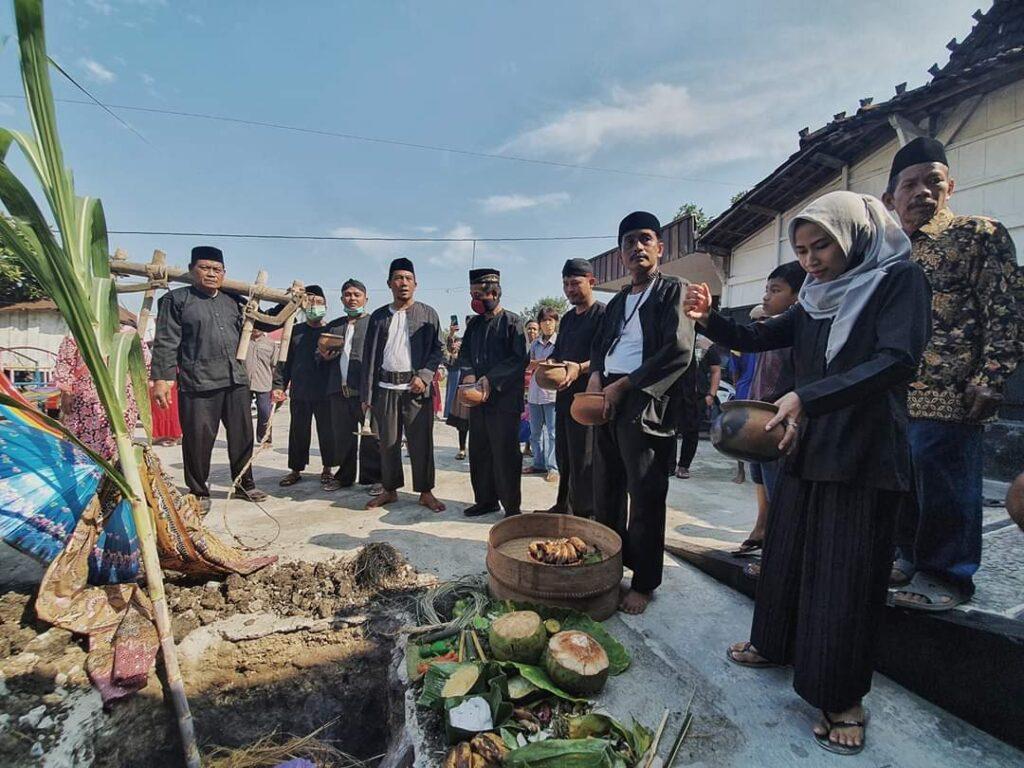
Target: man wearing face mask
{"x":345,"y":370}
{"x":976,"y":344}
{"x":308,"y":379}
{"x":494,"y":354}
{"x":401,"y":353}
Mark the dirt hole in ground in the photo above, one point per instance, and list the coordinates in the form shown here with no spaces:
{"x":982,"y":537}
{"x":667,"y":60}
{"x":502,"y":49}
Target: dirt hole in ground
{"x":292,"y":650}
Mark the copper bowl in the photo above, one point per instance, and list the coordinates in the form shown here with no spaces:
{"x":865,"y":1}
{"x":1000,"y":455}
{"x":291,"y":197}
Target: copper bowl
{"x":330,"y":342}
{"x":550,"y":374}
{"x":470,"y":394}
{"x":588,"y":408}
{"x":739,"y":433}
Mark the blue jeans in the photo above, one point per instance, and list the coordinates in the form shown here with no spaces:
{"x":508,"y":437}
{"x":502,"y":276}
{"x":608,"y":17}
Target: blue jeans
{"x":944,"y":536}
{"x":542,"y":436}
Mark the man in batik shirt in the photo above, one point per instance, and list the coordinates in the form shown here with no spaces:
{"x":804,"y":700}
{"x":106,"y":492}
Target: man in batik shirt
{"x":976,"y":343}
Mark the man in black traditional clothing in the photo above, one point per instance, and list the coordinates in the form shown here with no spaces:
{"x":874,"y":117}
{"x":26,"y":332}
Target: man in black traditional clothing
{"x":401,"y":352}
{"x":308,"y":380}
{"x":574,"y":442}
{"x":494,"y":354}
{"x":344,"y":377}
{"x":643,"y":346}
{"x":198,"y":328}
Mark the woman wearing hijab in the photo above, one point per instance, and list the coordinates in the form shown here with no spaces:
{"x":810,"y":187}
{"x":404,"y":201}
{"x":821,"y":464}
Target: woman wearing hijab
{"x":857,"y":332}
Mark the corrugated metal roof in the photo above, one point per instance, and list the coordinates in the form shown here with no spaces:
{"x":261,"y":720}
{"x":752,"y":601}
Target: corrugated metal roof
{"x":46,"y":305}
{"x":992,"y":55}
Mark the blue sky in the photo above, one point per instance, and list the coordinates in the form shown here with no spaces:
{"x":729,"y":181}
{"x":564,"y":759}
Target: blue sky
{"x":713,"y":93}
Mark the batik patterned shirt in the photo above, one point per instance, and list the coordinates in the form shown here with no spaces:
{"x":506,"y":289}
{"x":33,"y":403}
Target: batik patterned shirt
{"x":977,"y":305}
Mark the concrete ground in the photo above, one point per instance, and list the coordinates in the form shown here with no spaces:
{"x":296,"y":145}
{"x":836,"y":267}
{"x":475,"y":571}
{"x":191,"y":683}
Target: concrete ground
{"x":743,"y":717}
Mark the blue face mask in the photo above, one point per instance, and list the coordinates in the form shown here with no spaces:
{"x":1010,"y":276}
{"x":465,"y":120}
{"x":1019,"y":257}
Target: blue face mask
{"x":354,"y":311}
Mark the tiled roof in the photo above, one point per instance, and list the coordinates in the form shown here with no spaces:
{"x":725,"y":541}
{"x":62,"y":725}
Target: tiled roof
{"x":990,"y":56}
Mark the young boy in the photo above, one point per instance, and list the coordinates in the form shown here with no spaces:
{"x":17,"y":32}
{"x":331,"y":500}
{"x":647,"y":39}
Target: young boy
{"x":773,"y":377}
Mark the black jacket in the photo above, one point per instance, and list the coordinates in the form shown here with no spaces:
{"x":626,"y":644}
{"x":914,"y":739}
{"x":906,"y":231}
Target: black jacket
{"x":302,"y":368}
{"x":424,"y":346}
{"x":668,"y":351}
{"x":340,"y":327}
{"x":855,"y":425}
{"x":495,"y":346}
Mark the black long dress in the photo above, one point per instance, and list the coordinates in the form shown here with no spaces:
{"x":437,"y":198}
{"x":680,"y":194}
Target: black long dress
{"x":829,"y":541}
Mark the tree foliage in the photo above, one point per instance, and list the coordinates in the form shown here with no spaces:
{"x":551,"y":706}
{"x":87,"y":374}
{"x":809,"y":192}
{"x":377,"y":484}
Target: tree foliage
{"x":558,"y":303}
{"x":16,"y":283}
{"x":700,"y":219}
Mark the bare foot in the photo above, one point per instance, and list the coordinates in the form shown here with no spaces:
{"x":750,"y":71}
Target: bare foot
{"x":852,"y":736}
{"x":380,"y":500}
{"x":431,"y":502}
{"x":634,"y":602}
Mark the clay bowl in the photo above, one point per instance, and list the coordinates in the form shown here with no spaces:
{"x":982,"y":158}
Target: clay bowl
{"x":470,"y":394}
{"x":330,"y":342}
{"x":550,"y":374}
{"x":738,"y":432}
{"x":588,"y":408}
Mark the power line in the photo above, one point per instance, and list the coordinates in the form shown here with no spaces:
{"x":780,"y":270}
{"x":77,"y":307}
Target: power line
{"x":391,"y":142}
{"x":263,"y":236}
{"x":96,"y":102}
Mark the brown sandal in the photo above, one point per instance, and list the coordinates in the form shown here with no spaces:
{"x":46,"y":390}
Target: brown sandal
{"x":748,"y":647}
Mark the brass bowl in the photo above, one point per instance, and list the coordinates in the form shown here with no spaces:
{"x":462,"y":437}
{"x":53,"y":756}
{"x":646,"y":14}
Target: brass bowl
{"x":330,"y":342}
{"x":470,"y":394}
{"x":588,"y":408}
{"x":739,"y":433}
{"x":550,"y":374}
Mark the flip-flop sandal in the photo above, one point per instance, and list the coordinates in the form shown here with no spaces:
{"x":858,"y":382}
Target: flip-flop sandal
{"x":906,"y":571}
{"x":763,"y":664}
{"x":931,"y":589}
{"x":289,"y":479}
{"x":841,"y":749}
{"x":748,"y":547}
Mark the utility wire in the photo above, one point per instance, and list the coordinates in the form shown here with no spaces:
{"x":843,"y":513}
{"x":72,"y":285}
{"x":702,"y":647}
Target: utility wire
{"x":93,"y":100}
{"x":391,"y":142}
{"x":261,"y":236}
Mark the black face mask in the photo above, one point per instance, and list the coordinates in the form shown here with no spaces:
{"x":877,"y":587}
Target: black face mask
{"x":483,"y":306}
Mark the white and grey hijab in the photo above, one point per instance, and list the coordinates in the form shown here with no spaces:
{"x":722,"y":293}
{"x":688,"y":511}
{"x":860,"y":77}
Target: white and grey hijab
{"x":872,"y":241}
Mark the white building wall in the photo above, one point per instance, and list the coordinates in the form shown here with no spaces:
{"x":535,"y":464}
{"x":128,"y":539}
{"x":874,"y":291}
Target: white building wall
{"x":44,"y":330}
{"x":986,"y":157}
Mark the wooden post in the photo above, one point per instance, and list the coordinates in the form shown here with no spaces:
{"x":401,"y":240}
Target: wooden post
{"x":286,"y":336}
{"x":159,"y":260}
{"x":247,"y":323}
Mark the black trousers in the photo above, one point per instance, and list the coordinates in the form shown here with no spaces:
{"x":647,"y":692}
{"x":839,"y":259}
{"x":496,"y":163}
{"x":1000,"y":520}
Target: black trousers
{"x":495,"y":463}
{"x":821,"y":594}
{"x":630,"y":486}
{"x":574,"y":452}
{"x":398,"y":411}
{"x":687,"y":448}
{"x":346,"y":421}
{"x":300,"y":433}
{"x":201,"y":414}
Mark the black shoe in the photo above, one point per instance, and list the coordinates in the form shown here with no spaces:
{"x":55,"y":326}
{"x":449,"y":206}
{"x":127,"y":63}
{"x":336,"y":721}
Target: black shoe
{"x":512,"y":513}
{"x":478,"y":510}
{"x":253,"y":494}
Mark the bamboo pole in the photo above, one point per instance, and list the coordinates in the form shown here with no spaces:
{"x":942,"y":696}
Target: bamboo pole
{"x":179,"y":275}
{"x":247,"y":323}
{"x":159,"y":260}
{"x":289,"y":324}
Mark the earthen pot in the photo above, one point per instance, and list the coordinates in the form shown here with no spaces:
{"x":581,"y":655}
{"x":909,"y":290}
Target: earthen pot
{"x":738,"y":432}
{"x":588,"y":408}
{"x":330,"y":342}
{"x":470,"y":394}
{"x":550,"y":374}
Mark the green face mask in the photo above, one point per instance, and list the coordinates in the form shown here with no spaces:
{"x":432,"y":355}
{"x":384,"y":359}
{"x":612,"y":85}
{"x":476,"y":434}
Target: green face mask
{"x":316,"y":312}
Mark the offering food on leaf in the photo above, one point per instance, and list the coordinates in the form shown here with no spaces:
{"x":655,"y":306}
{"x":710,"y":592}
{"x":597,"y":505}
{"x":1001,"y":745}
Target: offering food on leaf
{"x":461,"y":681}
{"x":487,"y":750}
{"x":519,"y":688}
{"x":473,"y":714}
{"x":570,"y":551}
{"x":576,"y":662}
{"x":518,"y":636}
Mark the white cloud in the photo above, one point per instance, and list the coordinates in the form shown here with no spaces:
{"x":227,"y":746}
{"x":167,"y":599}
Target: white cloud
{"x":381,"y":251}
{"x":148,"y":79}
{"x":100,"y":6}
{"x":196,"y":19}
{"x":426,"y":230}
{"x":96,"y":71}
{"x":517,"y":202}
{"x":464,"y":254}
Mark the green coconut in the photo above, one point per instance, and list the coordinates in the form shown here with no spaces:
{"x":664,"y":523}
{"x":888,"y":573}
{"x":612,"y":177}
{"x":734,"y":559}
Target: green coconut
{"x":518,"y":636}
{"x":576,"y":662}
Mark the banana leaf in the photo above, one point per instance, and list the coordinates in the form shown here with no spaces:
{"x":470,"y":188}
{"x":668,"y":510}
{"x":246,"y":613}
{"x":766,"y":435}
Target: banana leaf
{"x":501,"y":710}
{"x":637,"y":737}
{"x":434,"y":682}
{"x":538,"y":677}
{"x":565,"y":753}
{"x":618,"y":657}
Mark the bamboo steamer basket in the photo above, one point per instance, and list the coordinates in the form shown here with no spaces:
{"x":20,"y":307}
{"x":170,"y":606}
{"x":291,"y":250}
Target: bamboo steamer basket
{"x":591,"y":589}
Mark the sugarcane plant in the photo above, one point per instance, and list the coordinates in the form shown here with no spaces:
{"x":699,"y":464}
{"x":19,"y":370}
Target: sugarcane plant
{"x":72,"y":266}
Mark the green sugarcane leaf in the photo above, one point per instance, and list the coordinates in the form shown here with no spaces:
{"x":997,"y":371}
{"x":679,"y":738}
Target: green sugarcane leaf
{"x":112,"y":472}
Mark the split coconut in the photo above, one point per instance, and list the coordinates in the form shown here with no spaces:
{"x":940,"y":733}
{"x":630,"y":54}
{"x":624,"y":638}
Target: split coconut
{"x":518,"y":636}
{"x":576,"y":662}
